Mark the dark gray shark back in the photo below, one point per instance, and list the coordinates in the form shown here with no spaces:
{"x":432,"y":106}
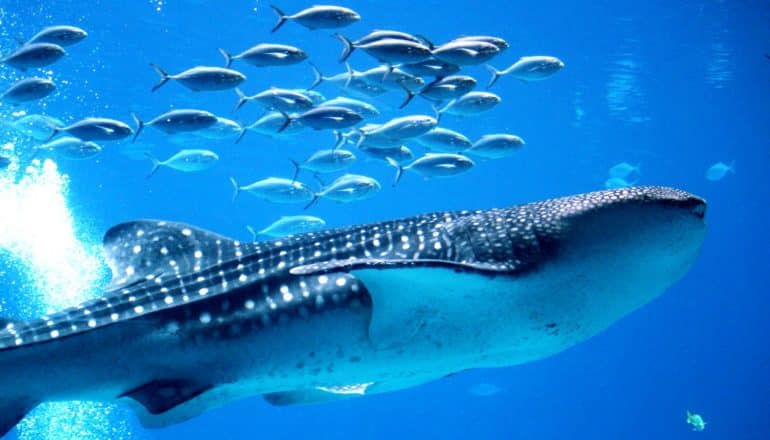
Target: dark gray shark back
{"x":161,"y":265}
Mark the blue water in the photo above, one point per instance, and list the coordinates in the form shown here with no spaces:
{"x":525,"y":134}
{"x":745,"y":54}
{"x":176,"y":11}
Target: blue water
{"x":673,"y":86}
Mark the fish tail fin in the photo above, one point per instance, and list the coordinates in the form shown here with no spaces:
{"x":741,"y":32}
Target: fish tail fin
{"x":228,"y":57}
{"x":439,"y":111}
{"x":339,"y":138}
{"x":242,"y":99}
{"x":347,"y":48}
{"x":236,"y":188}
{"x":398,"y":167}
{"x":241,"y":134}
{"x":286,"y":122}
{"x":163,"y":76}
{"x":296,"y":170}
{"x":495,"y":75}
{"x":409,"y":96}
{"x":350,"y":73}
{"x":253,"y":232}
{"x":731,"y":168}
{"x":54,"y":132}
{"x":139,"y":126}
{"x":427,"y":42}
{"x":281,"y":18}
{"x":319,"y":77}
{"x":155,"y":164}
{"x":388,"y":70}
{"x":361,"y":137}
{"x":312,"y":201}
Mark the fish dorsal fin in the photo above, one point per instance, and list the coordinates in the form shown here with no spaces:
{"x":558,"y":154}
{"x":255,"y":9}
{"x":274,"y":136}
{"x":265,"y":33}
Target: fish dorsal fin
{"x":140,"y":250}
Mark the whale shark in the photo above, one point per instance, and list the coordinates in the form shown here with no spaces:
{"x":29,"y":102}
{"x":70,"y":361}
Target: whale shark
{"x":192,"y":320}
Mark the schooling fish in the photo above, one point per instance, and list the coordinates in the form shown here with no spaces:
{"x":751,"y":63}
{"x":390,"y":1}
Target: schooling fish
{"x":267,"y":54}
{"x":276,"y":190}
{"x":202,"y":78}
{"x":275,"y":98}
{"x":325,"y":118}
{"x":318,"y":17}
{"x":400,"y":154}
{"x":497,"y":41}
{"x":325,"y":161}
{"x":62,"y":35}
{"x":431,"y":67}
{"x":719,"y":170}
{"x":388,"y":50}
{"x":187,"y":161}
{"x":534,"y":68}
{"x":69,"y":147}
{"x":404,"y":127}
{"x":96,"y":129}
{"x":496,"y":146}
{"x":466,"y":52}
{"x":177,"y":121}
{"x":349,"y":82}
{"x":442,"y":89}
{"x":435,"y":165}
{"x":348,"y":188}
{"x":38,"y":127}
{"x":30,"y":56}
{"x":193,"y":320}
{"x":444,"y":140}
{"x":470,"y":104}
{"x":365,"y":109}
{"x":290,"y":225}
{"x":270,"y":124}
{"x":28,"y":89}
{"x":623,"y":170}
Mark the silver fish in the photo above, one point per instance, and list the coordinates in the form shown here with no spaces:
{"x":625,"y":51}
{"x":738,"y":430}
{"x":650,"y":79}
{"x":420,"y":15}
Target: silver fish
{"x":267,"y":54}
{"x":380,"y":34}
{"x":348,"y":188}
{"x":177,"y":121}
{"x":62,"y":35}
{"x":276,"y":190}
{"x":388,"y":50}
{"x":30,"y":56}
{"x":401,"y":128}
{"x":350,"y":82}
{"x":290,"y":225}
{"x":435,"y":165}
{"x":270,"y":124}
{"x":275,"y":98}
{"x":497,"y":41}
{"x":325,"y":118}
{"x":318,"y":17}
{"x":466,"y":52}
{"x":496,"y":146}
{"x":392,"y":78}
{"x":623,"y":170}
{"x":431,"y":67}
{"x":28,"y":89}
{"x":96,"y":129}
{"x":364,"y":109}
{"x":442,"y":89}
{"x":325,"y":161}
{"x":534,"y":68}
{"x":38,"y":127}
{"x":444,"y":140}
{"x":719,"y":170}
{"x":470,"y":104}
{"x":70,"y":148}
{"x":187,"y":161}
{"x":401,"y":154}
{"x":202,"y":78}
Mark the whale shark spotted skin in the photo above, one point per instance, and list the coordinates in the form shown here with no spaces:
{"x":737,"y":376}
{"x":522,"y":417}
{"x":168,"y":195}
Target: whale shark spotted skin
{"x":192,"y":320}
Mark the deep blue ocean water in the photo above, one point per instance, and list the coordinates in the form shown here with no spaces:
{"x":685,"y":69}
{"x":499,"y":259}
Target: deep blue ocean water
{"x":674,"y":87}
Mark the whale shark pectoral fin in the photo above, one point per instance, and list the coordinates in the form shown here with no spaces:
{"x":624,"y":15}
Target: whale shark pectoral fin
{"x":160,"y":396}
{"x":137,"y":250}
{"x":12,"y":411}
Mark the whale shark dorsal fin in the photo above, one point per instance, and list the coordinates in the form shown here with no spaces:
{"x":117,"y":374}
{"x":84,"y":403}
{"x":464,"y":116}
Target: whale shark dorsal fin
{"x":159,"y":396}
{"x":140,"y":250}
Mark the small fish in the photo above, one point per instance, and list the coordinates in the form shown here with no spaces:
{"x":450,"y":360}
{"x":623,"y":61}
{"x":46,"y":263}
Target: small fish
{"x":267,"y":54}
{"x":69,"y":147}
{"x":316,"y":97}
{"x":401,"y":128}
{"x":435,"y":165}
{"x":38,"y":127}
{"x":30,"y":56}
{"x":270,"y":124}
{"x":318,"y":17}
{"x":290,"y":225}
{"x":61,"y":35}
{"x":325,"y":118}
{"x":177,"y":121}
{"x":431,"y":67}
{"x":696,"y":421}
{"x":5,"y":162}
{"x":401,"y":154}
{"x":276,"y":99}
{"x":28,"y":89}
{"x":96,"y":129}
{"x":444,"y":140}
{"x":348,"y":188}
{"x":325,"y":161}
{"x":388,"y":50}
{"x":380,"y":34}
{"x":350,"y":82}
{"x":496,"y":146}
{"x":392,"y":78}
{"x":618,"y":182}
{"x":443,"y":89}
{"x":276,"y":190}
{"x":187,"y":161}
{"x":364,"y":109}
{"x":202,"y":78}
{"x":497,"y":41}
{"x":470,"y":104}
{"x":223,"y":128}
{"x":623,"y":170}
{"x":484,"y":390}
{"x":466,"y":52}
{"x":719,"y":170}
{"x":533,"y":68}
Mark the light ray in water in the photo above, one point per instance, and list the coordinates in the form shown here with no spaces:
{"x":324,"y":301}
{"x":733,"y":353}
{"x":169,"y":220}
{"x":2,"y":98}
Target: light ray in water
{"x":39,"y":234}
